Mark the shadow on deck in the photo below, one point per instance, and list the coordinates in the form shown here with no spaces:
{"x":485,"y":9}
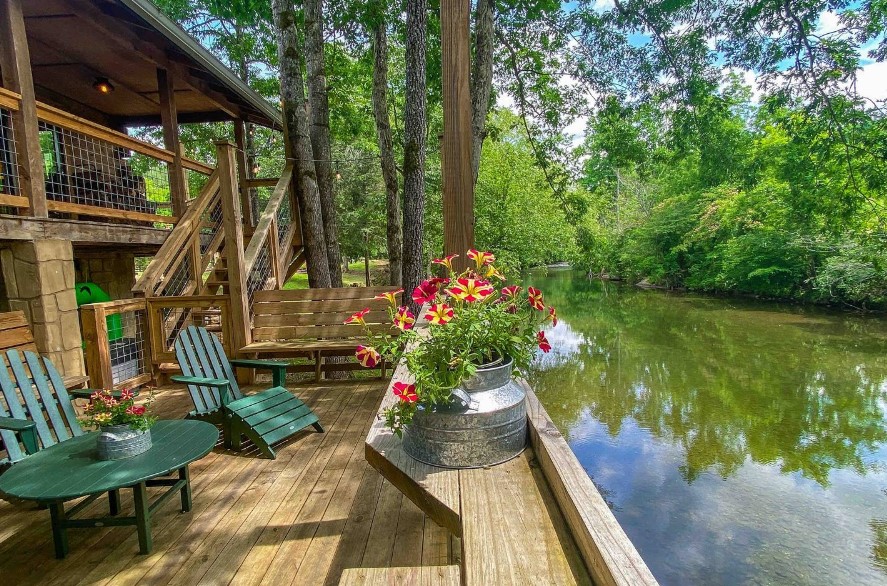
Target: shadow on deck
{"x":303,"y":518}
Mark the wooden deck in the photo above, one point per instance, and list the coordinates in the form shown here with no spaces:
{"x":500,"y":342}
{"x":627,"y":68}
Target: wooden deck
{"x":302,"y":519}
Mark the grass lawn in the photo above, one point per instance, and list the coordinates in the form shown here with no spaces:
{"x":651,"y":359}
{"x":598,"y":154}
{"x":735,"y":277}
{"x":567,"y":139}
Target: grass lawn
{"x":354,"y":276}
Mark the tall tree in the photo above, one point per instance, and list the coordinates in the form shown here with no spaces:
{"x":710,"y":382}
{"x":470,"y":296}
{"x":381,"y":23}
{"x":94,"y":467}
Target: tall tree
{"x":481,"y":78}
{"x":415,"y":130}
{"x":386,"y":153}
{"x":320,"y":133}
{"x":292,"y":92}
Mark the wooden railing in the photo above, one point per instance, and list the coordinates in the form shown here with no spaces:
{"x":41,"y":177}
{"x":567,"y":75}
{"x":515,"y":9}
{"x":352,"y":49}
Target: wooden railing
{"x":272,"y":247}
{"x":181,"y":264}
{"x":96,"y":172}
{"x":128,"y":342}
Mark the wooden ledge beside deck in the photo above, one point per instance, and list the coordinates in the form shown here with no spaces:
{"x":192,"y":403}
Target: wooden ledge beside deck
{"x":537,"y":519}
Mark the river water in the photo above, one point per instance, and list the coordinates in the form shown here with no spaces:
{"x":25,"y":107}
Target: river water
{"x":736,"y":441}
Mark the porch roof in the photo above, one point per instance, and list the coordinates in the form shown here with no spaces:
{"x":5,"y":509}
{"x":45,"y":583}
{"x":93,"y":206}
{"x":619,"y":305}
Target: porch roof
{"x":73,"y":42}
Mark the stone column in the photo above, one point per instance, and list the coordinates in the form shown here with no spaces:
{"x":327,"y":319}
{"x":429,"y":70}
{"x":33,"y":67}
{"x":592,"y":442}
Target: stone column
{"x":39,"y":277}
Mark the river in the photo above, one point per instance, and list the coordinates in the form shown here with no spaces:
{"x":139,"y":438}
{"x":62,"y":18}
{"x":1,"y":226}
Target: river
{"x":736,"y":441}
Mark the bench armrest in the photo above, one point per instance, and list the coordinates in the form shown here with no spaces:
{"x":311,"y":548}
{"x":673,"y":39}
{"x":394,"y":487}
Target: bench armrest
{"x":224,"y":385}
{"x":24,"y":427}
{"x":277,"y":368}
{"x":87,"y":393}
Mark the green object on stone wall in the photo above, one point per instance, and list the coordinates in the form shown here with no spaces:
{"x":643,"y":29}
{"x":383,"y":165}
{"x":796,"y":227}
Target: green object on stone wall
{"x":92,"y":293}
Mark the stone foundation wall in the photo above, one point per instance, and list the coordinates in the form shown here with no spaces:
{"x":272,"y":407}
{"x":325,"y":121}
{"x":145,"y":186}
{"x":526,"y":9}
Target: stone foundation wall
{"x":39,"y":279}
{"x":114,"y":272}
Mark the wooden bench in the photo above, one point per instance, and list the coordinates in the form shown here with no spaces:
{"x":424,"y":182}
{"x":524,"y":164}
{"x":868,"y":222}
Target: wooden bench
{"x":309,"y":323}
{"x":15,"y":334}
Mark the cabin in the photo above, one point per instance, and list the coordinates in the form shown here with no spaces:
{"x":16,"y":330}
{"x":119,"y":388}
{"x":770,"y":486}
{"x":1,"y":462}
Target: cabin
{"x":114,"y":246}
{"x":82,"y":200}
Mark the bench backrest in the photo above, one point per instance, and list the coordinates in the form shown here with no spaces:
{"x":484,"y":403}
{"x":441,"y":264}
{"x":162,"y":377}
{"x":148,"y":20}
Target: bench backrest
{"x":33,"y":389}
{"x":300,"y":314}
{"x":15,"y":332}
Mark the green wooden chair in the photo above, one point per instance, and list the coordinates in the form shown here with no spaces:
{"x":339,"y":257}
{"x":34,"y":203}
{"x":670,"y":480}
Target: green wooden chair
{"x":35,"y":407}
{"x":265,"y":418}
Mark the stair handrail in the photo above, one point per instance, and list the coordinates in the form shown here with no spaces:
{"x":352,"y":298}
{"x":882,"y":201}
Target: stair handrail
{"x":176,"y":244}
{"x":268,"y":218}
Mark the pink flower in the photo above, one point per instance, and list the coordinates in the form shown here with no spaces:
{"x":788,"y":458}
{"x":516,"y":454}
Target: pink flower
{"x":537,"y":302}
{"x":425,"y":292}
{"x":510,"y":293}
{"x":391,"y":296}
{"x":136,"y":410}
{"x":471,"y":290}
{"x":404,"y":318}
{"x":357,"y":318}
{"x":405,"y":392}
{"x":367,"y":356}
{"x":126,"y":395}
{"x":439,"y":314}
{"x":543,"y":342}
{"x":447,"y":261}
{"x":552,"y":315}
{"x":481,"y":258}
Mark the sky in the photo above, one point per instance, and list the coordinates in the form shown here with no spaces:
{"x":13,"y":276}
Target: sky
{"x":871,"y":79}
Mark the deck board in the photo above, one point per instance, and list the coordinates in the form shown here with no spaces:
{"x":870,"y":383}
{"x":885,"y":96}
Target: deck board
{"x":301,"y":519}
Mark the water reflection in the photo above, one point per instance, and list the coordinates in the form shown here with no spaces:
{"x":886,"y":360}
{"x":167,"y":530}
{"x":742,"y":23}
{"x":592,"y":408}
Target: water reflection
{"x":738,"y":439}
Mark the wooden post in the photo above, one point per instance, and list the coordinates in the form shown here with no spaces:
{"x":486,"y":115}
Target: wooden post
{"x":243,"y":173}
{"x":458,"y":181}
{"x":98,"y":348}
{"x":240,"y":327}
{"x":169,"y":119}
{"x":15,"y":61}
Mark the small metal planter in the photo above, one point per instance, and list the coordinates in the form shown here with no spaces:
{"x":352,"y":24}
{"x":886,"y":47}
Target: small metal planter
{"x":121,"y":441}
{"x":486,"y":424}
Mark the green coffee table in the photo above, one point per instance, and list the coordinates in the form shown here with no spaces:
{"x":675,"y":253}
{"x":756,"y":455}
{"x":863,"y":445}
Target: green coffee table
{"x":70,"y":470}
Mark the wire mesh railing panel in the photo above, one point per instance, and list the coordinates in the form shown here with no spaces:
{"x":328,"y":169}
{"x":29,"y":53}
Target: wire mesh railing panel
{"x":8,"y":159}
{"x":259,"y":197}
{"x":86,"y":170}
{"x":128,"y":345}
{"x":178,"y":281}
{"x":284,"y":219}
{"x":210,"y":224}
{"x":177,"y":318}
{"x":260,"y":276}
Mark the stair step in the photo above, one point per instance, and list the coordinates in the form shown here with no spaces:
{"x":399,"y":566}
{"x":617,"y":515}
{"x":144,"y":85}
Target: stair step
{"x":214,"y":283}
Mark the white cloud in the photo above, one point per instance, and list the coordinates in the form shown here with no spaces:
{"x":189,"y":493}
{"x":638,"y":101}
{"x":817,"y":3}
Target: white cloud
{"x":828,"y":23}
{"x":871,"y":81}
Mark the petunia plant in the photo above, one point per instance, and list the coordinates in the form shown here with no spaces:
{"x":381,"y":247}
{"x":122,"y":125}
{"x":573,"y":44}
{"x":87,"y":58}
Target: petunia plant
{"x":474,"y":319}
{"x":105,"y":410}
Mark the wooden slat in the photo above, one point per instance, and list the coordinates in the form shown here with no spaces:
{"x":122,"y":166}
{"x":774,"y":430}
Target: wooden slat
{"x":316,"y":319}
{"x":87,"y":210}
{"x":197,"y":166}
{"x":606,"y":549}
{"x":320,"y":294}
{"x":9,"y":99}
{"x":14,"y":201}
{"x":424,"y":576}
{"x":302,"y":332}
{"x":14,"y":338}
{"x":308,"y":306}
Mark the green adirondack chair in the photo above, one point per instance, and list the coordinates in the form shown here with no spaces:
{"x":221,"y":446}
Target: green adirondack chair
{"x":35,"y":408}
{"x":265,"y":418}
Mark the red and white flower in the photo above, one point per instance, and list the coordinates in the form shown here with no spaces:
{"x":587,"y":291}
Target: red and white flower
{"x":358,"y":318}
{"x":510,"y":293}
{"x":404,"y":318}
{"x":471,"y":290}
{"x":481,"y":258}
{"x":405,"y":392}
{"x":439,"y":314}
{"x":552,"y":315}
{"x":136,"y":410}
{"x":367,"y":356}
{"x":425,"y":292}
{"x":446,"y":261}
{"x":391,"y":296}
{"x":537,"y":301}
{"x":543,"y":342}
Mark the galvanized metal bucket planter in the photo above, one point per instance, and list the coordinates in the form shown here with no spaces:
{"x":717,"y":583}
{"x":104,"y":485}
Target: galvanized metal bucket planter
{"x":121,"y":441}
{"x":485,"y":424}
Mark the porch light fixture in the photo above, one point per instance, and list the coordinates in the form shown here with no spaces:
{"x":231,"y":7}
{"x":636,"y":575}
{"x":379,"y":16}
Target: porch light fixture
{"x":102,"y":85}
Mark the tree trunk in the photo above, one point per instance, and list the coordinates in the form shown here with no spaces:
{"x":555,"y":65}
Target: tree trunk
{"x":415,"y":130}
{"x":320,"y":133}
{"x":386,"y":152}
{"x":481,"y":79}
{"x":292,"y":92}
